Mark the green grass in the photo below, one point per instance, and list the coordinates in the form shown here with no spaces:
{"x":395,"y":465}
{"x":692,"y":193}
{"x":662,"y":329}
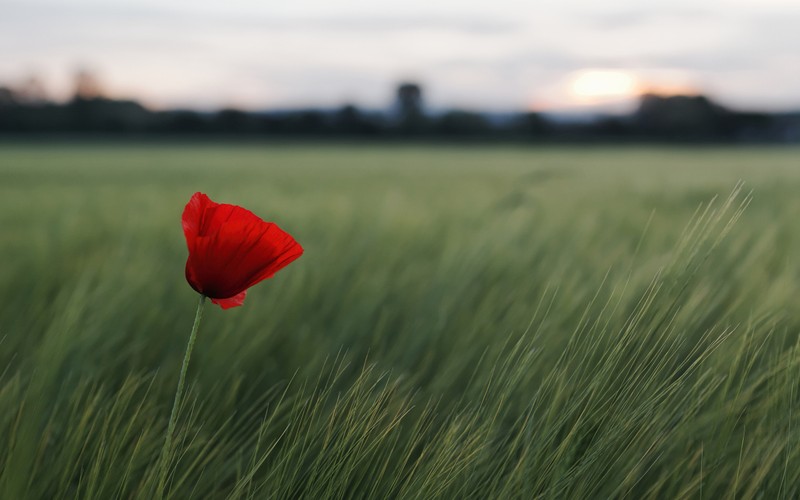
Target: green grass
{"x":475,"y":322}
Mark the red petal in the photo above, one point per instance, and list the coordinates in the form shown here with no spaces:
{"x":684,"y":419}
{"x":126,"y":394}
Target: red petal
{"x":232,"y":249}
{"x":193,"y":215}
{"x":274,"y":250}
{"x":234,"y":301}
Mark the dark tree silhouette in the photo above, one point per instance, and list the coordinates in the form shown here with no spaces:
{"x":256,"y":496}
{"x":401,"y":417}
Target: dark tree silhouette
{"x":409,"y":108}
{"x":693,"y":117}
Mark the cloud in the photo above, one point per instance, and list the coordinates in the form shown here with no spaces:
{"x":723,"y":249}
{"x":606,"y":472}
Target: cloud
{"x":61,"y":16}
{"x":464,"y":24}
{"x":612,"y":20}
{"x":522,"y":61}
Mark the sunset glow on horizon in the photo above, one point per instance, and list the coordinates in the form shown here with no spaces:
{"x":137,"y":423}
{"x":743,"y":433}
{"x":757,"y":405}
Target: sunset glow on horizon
{"x":596,"y":85}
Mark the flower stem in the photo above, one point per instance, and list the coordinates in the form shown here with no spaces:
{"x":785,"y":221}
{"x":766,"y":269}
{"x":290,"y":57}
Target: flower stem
{"x":166,"y":452}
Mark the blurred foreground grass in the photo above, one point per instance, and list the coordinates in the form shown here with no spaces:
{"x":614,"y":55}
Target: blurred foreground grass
{"x":477,"y":322}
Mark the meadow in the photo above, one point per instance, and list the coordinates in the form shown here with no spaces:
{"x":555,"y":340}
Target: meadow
{"x":466,"y":322}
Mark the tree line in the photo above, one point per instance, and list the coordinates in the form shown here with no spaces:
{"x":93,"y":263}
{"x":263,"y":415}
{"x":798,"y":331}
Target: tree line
{"x":686,"y":118}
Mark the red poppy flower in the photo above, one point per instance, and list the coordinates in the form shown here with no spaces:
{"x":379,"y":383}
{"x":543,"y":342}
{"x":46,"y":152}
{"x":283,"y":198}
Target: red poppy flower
{"x":231,"y":249}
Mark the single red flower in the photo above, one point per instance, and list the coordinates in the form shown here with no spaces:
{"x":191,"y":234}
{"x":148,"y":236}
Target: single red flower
{"x":231,"y":249}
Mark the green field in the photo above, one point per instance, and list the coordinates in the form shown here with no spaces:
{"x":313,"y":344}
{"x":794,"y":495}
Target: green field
{"x":466,"y":322}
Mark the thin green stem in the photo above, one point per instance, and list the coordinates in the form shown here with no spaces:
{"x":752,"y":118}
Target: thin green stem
{"x":166,"y":452}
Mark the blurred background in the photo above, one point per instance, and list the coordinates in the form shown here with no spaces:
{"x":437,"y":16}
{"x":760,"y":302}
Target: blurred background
{"x":551,"y":248}
{"x":722,"y":70}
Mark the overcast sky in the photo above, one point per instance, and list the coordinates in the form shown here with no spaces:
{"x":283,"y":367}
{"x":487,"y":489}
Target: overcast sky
{"x":498,"y":54}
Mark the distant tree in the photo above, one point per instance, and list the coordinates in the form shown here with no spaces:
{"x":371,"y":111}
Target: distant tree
{"x":8,"y":97}
{"x":612,"y":128}
{"x":32,"y":91}
{"x":531,"y":125}
{"x":179,"y":122}
{"x":409,"y":107}
{"x":462,"y":123}
{"x":87,"y":86}
{"x":409,"y":99}
{"x":349,"y":120}
{"x":234,"y":120}
{"x":693,"y":117}
{"x":308,"y":122}
{"x":107,"y":115}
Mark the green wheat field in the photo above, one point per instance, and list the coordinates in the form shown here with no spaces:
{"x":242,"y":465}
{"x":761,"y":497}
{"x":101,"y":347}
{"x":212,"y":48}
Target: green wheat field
{"x":472,"y":322}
